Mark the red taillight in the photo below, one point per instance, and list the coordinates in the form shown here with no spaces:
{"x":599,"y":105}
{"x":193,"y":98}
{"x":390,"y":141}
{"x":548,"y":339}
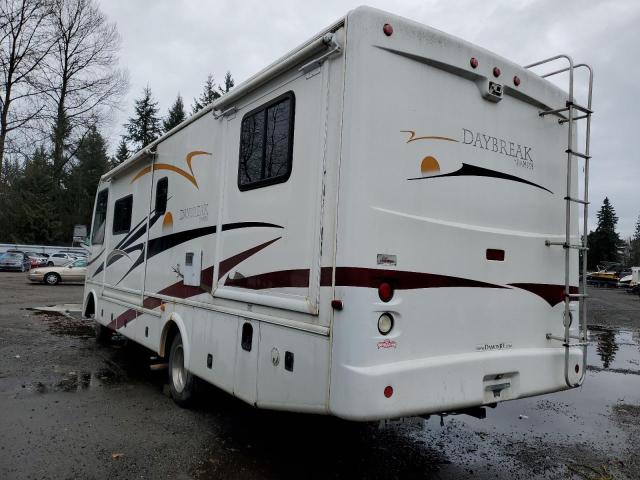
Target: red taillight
{"x":516,"y":81}
{"x":336,"y":304}
{"x":577,"y":368}
{"x":473,"y":62}
{"x":387,"y":29}
{"x":496,"y":72}
{"x":385,"y":291}
{"x":388,"y":391}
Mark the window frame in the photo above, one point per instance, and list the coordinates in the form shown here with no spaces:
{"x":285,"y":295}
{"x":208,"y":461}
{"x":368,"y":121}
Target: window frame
{"x":113,"y":220}
{"x":106,"y":214}
{"x":166,"y":197}
{"x":263,"y":108}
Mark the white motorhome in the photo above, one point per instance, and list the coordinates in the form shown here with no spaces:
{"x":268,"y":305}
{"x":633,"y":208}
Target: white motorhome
{"x":370,"y":227}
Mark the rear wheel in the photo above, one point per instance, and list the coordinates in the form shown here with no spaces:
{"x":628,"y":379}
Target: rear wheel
{"x":49,"y":264}
{"x":52,"y":279}
{"x":181,"y":382}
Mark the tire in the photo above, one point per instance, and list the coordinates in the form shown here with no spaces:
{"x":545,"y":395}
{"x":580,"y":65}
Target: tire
{"x":52,"y":279}
{"x":181,"y":382}
{"x":103,"y":334}
{"x":49,"y":264}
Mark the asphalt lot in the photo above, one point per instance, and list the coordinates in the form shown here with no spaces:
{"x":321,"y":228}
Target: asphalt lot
{"x":72,"y":409}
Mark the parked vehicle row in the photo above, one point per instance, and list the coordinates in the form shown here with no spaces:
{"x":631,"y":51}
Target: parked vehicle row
{"x":59,"y":266}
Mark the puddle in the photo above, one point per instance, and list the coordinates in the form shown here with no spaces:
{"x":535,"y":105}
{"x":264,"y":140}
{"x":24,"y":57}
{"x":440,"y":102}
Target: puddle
{"x":614,"y":350}
{"x":81,"y":381}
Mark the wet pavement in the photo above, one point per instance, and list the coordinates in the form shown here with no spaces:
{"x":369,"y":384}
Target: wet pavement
{"x":72,"y":409}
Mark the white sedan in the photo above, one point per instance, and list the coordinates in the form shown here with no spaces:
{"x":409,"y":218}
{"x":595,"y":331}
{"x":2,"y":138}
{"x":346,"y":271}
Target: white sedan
{"x":73,"y":272}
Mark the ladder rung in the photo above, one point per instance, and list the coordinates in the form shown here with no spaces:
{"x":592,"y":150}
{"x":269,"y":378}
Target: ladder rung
{"x":566,"y":245}
{"x":579,"y":107}
{"x":577,"y":200}
{"x":577,"y":154}
{"x":564,"y":341}
{"x":553,"y":112}
{"x":565,"y":120}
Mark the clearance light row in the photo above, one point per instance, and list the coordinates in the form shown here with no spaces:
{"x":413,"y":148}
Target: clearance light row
{"x":388,"y":31}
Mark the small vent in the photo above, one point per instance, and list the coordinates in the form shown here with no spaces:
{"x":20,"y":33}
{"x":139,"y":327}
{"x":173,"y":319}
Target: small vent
{"x":495,"y":254}
{"x":247,"y":337}
{"x":288,"y":361}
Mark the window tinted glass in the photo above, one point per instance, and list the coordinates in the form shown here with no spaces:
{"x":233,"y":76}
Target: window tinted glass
{"x":266,"y":140}
{"x":99,"y":218}
{"x":251,"y":146}
{"x":277,"y":144}
{"x":162,"y":189}
{"x":79,"y":263}
{"x":122,"y":215}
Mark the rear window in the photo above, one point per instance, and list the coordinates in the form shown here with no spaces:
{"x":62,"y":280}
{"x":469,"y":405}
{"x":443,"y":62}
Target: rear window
{"x":122,"y":215}
{"x":266,"y":144}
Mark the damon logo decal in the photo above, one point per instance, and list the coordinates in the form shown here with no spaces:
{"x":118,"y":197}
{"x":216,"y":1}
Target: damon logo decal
{"x":189,"y":175}
{"x":488,"y":347}
{"x":521,"y":154}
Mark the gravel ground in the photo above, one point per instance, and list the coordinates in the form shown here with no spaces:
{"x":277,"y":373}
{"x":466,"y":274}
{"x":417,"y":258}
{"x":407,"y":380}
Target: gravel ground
{"x":73,"y":409}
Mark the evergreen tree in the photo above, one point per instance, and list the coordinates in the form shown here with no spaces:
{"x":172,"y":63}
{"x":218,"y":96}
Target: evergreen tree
{"x":175,"y":116}
{"x":635,"y":245}
{"x":604,"y":241}
{"x":229,"y":83}
{"x":122,"y":153}
{"x":144,"y":127}
{"x":208,"y":95}
{"x":37,"y":219}
{"x":91,"y":163}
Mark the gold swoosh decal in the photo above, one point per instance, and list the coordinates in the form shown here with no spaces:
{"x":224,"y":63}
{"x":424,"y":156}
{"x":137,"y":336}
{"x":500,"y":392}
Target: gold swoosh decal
{"x":412,"y":137}
{"x":172,"y":168}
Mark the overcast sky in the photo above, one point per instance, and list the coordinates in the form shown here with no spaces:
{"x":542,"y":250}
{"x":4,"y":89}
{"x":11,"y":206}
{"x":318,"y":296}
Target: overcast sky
{"x":173,"y":45}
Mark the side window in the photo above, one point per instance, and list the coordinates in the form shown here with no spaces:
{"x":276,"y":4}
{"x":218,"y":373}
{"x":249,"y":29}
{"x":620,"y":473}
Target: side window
{"x":162,"y":189}
{"x":122,"y":215}
{"x":100,"y":218}
{"x":266,"y":144}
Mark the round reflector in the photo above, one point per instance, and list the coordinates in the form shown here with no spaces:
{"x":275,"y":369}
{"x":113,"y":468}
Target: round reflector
{"x":387,"y":29}
{"x":577,"y":368}
{"x":496,"y":72}
{"x":473,"y":62}
{"x":388,"y":391}
{"x":516,"y":81}
{"x":385,"y":323}
{"x":385,"y":291}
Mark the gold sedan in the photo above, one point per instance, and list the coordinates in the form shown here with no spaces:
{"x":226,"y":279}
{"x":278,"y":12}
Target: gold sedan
{"x":73,"y":272}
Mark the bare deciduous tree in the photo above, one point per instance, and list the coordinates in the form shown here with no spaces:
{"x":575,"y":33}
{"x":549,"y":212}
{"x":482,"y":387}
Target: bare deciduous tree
{"x":82,"y":79}
{"x":25,"y":41}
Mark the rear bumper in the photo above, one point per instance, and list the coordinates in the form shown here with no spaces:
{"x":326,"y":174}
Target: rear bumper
{"x":447,"y":383}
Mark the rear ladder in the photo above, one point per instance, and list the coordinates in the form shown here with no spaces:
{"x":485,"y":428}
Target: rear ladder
{"x":574,"y":112}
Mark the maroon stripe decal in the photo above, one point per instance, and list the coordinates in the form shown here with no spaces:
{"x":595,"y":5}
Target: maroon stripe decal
{"x":553,"y":294}
{"x":401,"y":280}
{"x":356,"y":277}
{"x":282,"y":279}
{"x":231,"y":262}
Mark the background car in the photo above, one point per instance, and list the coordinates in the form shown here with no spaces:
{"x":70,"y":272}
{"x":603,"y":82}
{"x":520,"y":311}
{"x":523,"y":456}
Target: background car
{"x":72,"y":272}
{"x":37,"y":259}
{"x":59,"y":259}
{"x":16,"y":261}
